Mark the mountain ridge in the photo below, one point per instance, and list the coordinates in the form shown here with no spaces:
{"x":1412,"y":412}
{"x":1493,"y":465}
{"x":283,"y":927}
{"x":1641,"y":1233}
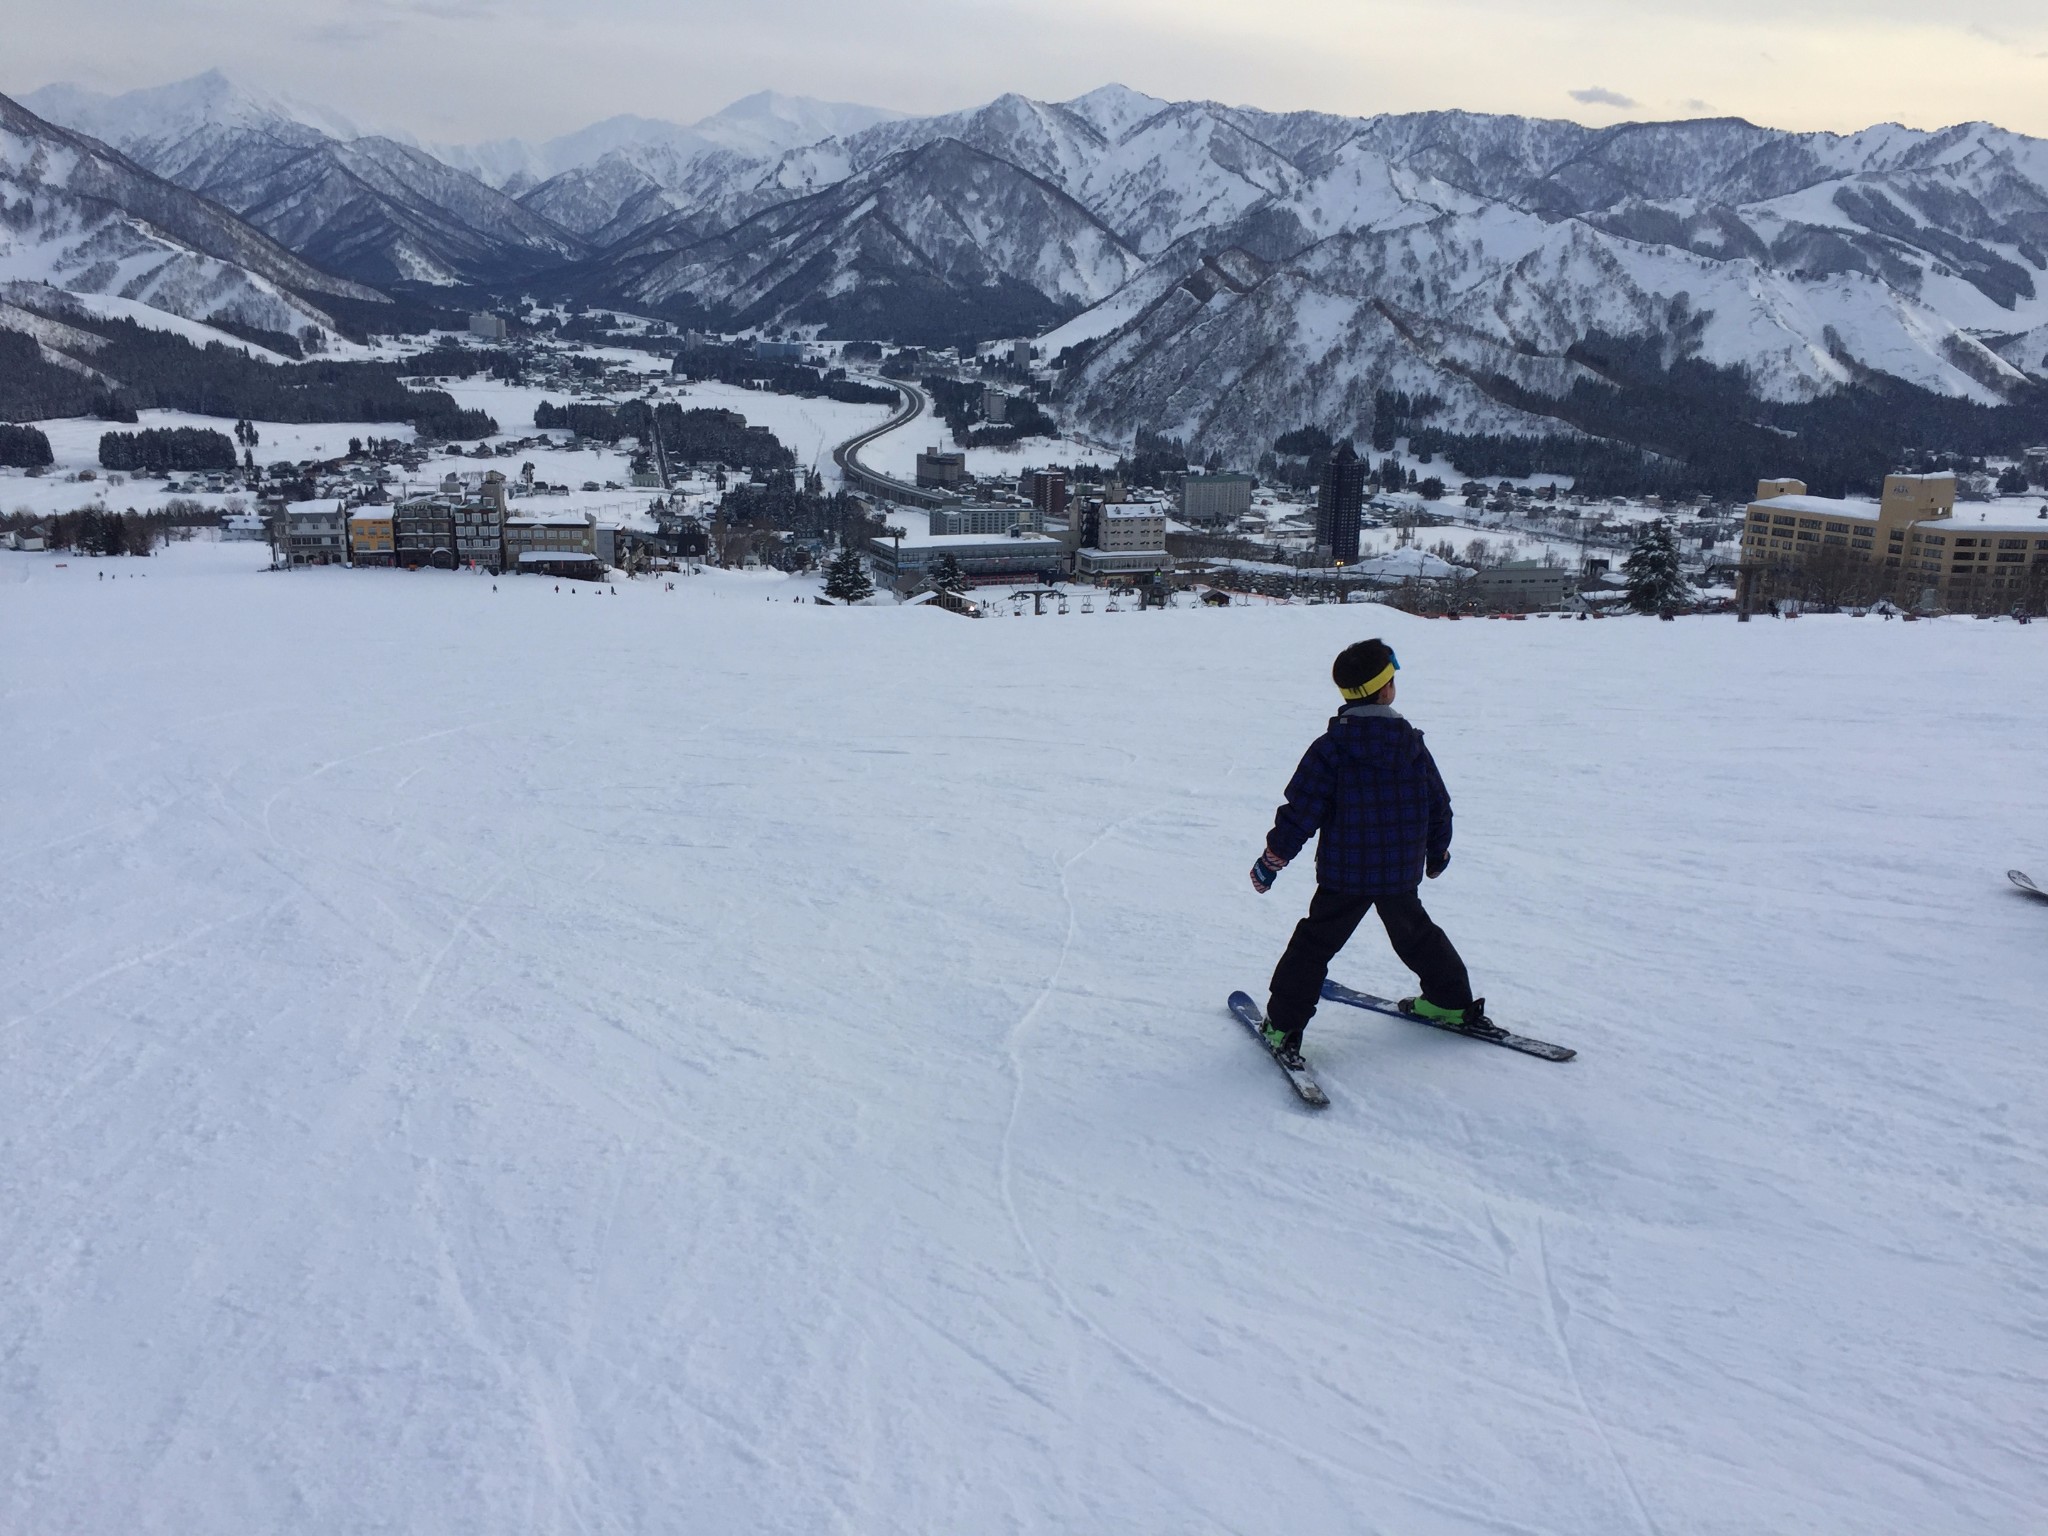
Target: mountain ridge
{"x":1226,"y":271}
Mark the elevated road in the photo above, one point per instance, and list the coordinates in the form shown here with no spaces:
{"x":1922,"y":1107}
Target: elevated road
{"x":860,"y":477}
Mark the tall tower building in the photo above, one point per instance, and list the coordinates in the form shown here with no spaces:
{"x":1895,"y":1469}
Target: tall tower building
{"x":1340,"y":503}
{"x":1047,"y":490}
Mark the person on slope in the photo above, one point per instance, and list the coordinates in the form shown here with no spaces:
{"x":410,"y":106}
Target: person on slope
{"x":1371,"y":790}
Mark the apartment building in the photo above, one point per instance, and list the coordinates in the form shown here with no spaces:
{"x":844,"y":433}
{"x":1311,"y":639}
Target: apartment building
{"x":986,"y":517}
{"x":479,"y":526}
{"x":1934,"y":554}
{"x":423,"y":532}
{"x":1045,"y":489}
{"x":938,"y":471}
{"x":532,"y":538}
{"x":1210,"y":500}
{"x":1122,"y":538}
{"x":1132,"y":525}
{"x":1340,"y":504}
{"x":315,"y":533}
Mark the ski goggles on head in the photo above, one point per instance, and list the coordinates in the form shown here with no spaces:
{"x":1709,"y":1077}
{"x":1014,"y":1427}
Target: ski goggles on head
{"x":1374,"y":684}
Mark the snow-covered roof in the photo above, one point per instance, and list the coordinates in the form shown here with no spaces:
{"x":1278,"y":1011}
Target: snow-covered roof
{"x":1997,"y":518}
{"x":1820,"y":506}
{"x":554,"y":557}
{"x":913,"y":539}
{"x":547,"y":520}
{"x":1405,"y":562}
{"x":1986,"y":516}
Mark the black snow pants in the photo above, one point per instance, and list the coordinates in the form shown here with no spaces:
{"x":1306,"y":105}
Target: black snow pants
{"x":1332,"y":917}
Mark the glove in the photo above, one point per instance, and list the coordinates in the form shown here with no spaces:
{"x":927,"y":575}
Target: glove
{"x":1265,"y":870}
{"x":1436,"y":867}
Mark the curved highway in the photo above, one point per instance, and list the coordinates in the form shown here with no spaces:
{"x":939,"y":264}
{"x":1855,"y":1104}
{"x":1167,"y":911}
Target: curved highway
{"x":847,"y":454}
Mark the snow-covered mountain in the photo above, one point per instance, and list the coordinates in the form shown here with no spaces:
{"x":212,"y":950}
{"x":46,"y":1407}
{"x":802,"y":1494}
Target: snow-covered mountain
{"x":83,"y":217}
{"x":155,"y":118}
{"x":1439,"y":253}
{"x":383,"y":211}
{"x":922,"y":244}
{"x":757,"y":127}
{"x":1239,"y":271}
{"x":368,"y":207}
{"x":613,"y":179}
{"x":1446,"y":253}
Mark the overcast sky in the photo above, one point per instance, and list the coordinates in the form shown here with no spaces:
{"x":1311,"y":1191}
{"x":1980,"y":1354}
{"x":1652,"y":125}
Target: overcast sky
{"x":456,"y":70}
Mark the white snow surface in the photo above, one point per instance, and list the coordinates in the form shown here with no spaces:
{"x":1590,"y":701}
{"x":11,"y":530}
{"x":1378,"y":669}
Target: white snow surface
{"x":480,"y":1059}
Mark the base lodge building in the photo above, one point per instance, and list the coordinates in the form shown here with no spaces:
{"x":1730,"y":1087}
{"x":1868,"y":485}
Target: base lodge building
{"x":1939,"y":555}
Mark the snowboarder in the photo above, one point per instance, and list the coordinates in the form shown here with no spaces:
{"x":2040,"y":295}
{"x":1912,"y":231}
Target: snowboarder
{"x":1371,"y":790}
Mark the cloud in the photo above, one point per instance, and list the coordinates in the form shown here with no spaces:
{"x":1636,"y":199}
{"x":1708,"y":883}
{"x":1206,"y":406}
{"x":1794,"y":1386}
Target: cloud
{"x":1694,"y":104}
{"x":1600,"y":96}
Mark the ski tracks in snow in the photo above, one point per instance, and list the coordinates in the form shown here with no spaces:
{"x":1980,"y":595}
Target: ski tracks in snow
{"x":1151,"y":1376}
{"x":1555,"y":1310}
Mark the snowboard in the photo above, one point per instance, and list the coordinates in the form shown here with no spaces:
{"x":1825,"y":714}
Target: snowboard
{"x":1493,"y":1034}
{"x":2020,"y":880}
{"x":1250,"y":1015}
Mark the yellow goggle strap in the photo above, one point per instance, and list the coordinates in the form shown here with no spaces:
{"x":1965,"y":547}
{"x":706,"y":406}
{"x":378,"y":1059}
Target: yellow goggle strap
{"x":1367,"y":689}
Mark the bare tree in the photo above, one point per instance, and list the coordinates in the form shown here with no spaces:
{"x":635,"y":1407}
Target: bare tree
{"x":1836,"y":578}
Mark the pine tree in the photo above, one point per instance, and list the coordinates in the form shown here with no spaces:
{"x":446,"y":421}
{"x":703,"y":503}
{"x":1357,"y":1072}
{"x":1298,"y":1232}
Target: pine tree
{"x":945,"y":574}
{"x":846,"y":578}
{"x":1655,"y":582}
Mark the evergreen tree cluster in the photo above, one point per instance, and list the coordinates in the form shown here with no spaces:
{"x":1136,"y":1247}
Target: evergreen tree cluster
{"x":957,"y":402}
{"x":1685,"y":427}
{"x":807,"y":512}
{"x":699,"y":436}
{"x":598,"y":423}
{"x":1154,"y":456}
{"x":1395,"y":412}
{"x":156,"y":449}
{"x":24,"y":447}
{"x":706,"y":436}
{"x":453,"y":362}
{"x":738,"y":365}
{"x":1024,"y":417}
{"x":100,"y":531}
{"x":1311,"y":443}
{"x":273,"y":341}
{"x":159,"y":370}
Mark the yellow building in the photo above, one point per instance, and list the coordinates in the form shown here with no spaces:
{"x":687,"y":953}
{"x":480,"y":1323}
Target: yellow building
{"x":370,"y":540}
{"x":1926,"y":551}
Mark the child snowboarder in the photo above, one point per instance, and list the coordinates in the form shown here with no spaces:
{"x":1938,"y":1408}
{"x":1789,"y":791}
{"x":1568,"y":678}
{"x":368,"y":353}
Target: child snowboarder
{"x":1370,"y":788}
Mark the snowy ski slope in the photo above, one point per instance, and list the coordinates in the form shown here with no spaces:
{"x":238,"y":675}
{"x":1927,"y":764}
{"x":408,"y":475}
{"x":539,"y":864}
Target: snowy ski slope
{"x":487,"y":1061}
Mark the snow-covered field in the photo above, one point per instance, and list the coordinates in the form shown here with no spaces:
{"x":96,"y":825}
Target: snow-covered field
{"x":810,"y":429}
{"x":485,"y":1060}
{"x":895,"y":453}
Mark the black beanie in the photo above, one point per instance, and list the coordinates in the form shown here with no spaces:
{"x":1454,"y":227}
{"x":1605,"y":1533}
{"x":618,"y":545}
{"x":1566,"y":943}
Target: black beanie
{"x":1357,"y":665}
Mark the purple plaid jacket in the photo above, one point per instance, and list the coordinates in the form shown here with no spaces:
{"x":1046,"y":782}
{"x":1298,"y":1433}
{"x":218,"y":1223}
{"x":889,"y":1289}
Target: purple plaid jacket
{"x":1370,"y":787}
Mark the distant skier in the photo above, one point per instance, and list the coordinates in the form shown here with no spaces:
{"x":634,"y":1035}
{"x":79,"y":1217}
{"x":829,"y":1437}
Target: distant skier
{"x":1370,"y":788}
